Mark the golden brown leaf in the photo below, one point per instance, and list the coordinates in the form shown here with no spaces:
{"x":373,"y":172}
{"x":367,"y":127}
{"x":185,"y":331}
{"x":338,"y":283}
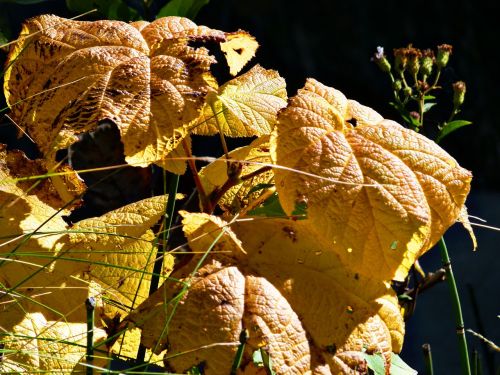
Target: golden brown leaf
{"x":379,"y":193}
{"x":285,"y":273}
{"x":65,"y":76}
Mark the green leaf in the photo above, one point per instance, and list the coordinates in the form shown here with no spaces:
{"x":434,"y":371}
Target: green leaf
{"x":375,"y":363}
{"x":272,"y":208}
{"x":428,"y":106}
{"x":429,"y":97}
{"x":399,"y":367}
{"x":450,"y":127}
{"x":116,"y":10}
{"x":79,"y":6}
{"x":182,"y":8}
{"x":257,"y":358}
{"x":23,"y":2}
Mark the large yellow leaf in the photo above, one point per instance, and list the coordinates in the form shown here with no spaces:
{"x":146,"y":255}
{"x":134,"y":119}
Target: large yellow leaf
{"x":245,"y":106}
{"x":250,"y":158}
{"x":281,"y":284}
{"x":49,"y":269}
{"x":65,"y":76}
{"x":36,"y":345}
{"x":378,"y":193}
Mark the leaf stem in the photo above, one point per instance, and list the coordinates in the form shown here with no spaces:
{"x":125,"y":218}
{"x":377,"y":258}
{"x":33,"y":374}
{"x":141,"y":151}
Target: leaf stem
{"x":90,"y":307}
{"x":429,"y":367}
{"x":196,"y":177}
{"x":455,"y":298}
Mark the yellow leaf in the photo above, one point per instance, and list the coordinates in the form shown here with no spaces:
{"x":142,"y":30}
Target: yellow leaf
{"x":66,"y":76}
{"x":284,"y":273}
{"x":239,"y":48}
{"x":56,"y":191}
{"x":245,"y":106}
{"x":378,"y":193}
{"x":251,"y":158}
{"x":37,"y":345}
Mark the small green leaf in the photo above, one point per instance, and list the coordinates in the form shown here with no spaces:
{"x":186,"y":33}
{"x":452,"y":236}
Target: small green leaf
{"x":429,"y":97}
{"x":450,"y":127}
{"x":375,"y":363}
{"x":196,"y":370}
{"x":428,"y":106}
{"x":182,"y":8}
{"x":404,"y":297}
{"x":399,"y":367}
{"x":259,"y":187}
{"x":23,"y":2}
{"x":257,"y":358}
{"x":272,"y":208}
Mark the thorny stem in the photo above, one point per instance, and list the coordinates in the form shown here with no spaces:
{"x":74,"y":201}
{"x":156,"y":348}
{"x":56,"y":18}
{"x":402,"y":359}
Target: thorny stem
{"x":429,"y":367}
{"x":455,"y":298}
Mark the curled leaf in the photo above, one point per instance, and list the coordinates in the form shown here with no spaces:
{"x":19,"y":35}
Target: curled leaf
{"x":379,"y":194}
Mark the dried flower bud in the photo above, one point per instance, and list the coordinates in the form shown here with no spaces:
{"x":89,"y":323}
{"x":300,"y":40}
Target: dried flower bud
{"x":458,"y":93}
{"x":414,"y":56}
{"x":415,"y":115}
{"x":380,"y":59}
{"x":397,"y":85}
{"x":400,"y":59}
{"x":407,"y":91}
{"x":443,"y":55}
{"x":426,"y":63}
{"x":422,"y":86}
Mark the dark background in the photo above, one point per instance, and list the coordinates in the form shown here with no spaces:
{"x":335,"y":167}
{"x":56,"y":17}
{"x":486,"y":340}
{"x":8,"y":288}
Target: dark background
{"x":333,"y":41}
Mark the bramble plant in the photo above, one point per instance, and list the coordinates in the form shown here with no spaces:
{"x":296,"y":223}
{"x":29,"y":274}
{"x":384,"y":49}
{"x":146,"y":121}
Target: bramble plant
{"x":288,"y":259}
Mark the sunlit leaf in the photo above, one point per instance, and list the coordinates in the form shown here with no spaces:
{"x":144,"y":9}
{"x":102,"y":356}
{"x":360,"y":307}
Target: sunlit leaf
{"x":245,"y":106}
{"x":368,"y":183}
{"x":144,"y":77}
{"x":282,"y":274}
{"x":239,"y":49}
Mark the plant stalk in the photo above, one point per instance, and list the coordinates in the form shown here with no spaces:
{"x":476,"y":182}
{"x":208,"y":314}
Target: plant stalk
{"x":90,"y":307}
{"x":429,"y":367}
{"x":455,"y":298}
{"x":173,"y":185}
